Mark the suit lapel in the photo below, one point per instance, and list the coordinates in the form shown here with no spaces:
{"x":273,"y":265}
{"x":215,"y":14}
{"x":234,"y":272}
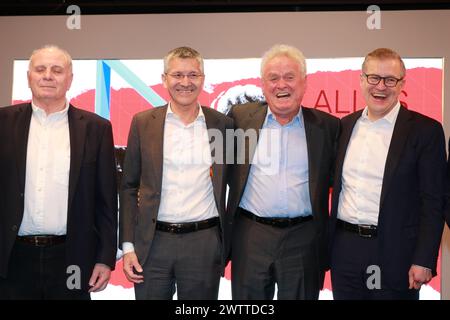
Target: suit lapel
{"x":399,"y":137}
{"x":344,"y":139}
{"x":314,"y":142}
{"x":155,"y":130}
{"x":22,"y":128}
{"x":77,"y":134}
{"x":216,"y":173}
{"x":255,"y":121}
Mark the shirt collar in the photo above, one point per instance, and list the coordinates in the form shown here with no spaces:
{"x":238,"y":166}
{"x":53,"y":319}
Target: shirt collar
{"x":391,"y":117}
{"x":42,"y":116}
{"x":171,"y":114}
{"x":298,"y":118}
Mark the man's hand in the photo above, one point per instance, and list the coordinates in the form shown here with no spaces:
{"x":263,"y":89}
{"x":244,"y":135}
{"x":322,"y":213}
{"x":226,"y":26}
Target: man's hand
{"x":100,"y":277}
{"x":130,"y":261}
{"x":418,"y":275}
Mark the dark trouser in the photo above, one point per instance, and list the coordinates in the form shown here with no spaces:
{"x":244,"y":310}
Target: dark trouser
{"x":351,"y":277}
{"x":189,"y":263}
{"x":37,"y":273}
{"x":263,"y":255}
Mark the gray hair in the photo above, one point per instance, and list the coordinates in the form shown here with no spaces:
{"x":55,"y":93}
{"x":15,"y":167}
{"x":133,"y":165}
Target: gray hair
{"x":284,"y":50}
{"x":52,"y":47}
{"x":182,"y":53}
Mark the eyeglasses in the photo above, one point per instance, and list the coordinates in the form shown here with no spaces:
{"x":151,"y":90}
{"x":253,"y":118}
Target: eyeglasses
{"x":180,"y":76}
{"x":375,"y":79}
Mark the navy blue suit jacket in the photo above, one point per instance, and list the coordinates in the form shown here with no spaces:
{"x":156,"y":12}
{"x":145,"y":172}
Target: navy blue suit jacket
{"x":410,"y":220}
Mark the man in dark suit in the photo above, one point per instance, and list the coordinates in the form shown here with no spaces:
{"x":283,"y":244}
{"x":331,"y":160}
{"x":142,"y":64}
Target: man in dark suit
{"x":58,"y":197}
{"x":279,"y":186}
{"x":172,"y":199}
{"x":386,"y":221}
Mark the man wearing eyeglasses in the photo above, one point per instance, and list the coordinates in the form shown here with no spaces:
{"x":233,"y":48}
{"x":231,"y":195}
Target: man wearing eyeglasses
{"x":172,"y":205}
{"x":386,"y":219}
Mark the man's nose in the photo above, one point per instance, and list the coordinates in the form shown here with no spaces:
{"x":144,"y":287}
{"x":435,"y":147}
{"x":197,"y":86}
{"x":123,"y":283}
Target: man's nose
{"x":48,"y":74}
{"x":281,"y":83}
{"x":185,"y":80}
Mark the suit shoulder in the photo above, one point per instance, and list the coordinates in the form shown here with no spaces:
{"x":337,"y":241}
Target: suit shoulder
{"x":426,"y":126}
{"x":142,"y":115}
{"x":321,"y":114}
{"x":324,"y":117}
{"x":219,"y":115}
{"x":423,"y":119}
{"x":91,"y":116}
{"x":9,"y":110}
{"x":246,"y":107}
{"x":351,"y":117}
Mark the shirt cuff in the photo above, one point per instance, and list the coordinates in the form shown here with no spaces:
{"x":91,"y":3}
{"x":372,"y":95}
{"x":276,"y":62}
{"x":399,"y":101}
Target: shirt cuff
{"x":127,"y":247}
{"x":416,"y":265}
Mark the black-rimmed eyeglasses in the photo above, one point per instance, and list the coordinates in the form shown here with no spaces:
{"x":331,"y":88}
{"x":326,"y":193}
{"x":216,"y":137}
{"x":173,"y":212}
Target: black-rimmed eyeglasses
{"x":375,"y":79}
{"x":180,"y":76}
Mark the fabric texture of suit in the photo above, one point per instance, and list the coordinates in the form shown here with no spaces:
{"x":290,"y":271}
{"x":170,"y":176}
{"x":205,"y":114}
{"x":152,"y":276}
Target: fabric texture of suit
{"x":447,"y":207}
{"x":92,"y":201}
{"x":322,"y":131}
{"x":140,"y":193}
{"x":410,"y":216}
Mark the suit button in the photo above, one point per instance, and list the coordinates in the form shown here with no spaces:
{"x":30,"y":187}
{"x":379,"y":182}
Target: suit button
{"x":153,"y":220}
{"x":14,"y":228}
{"x":21,"y":194}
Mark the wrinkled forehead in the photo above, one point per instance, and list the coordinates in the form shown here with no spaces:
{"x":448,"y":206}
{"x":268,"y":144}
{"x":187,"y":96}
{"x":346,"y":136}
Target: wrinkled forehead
{"x":281,"y":64}
{"x":183,"y":64}
{"x":50,"y":57}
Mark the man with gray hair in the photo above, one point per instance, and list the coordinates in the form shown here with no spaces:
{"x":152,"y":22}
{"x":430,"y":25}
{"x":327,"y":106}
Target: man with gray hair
{"x":279,"y":194}
{"x":173,"y":226}
{"x":58,"y":205}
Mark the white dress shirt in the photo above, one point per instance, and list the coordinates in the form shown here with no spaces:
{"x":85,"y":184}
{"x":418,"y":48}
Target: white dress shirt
{"x":187,"y":192}
{"x":363,"y":169}
{"x":47,"y":174}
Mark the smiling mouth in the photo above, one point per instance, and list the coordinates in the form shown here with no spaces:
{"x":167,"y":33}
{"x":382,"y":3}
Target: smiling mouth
{"x":379,"y":96}
{"x":183,"y":92}
{"x":282,"y":95}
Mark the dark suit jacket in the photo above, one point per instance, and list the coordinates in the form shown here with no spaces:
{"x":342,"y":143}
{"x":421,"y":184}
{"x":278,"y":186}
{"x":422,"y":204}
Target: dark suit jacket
{"x":447,"y":207}
{"x":92,"y":203}
{"x":140,"y":192}
{"x":410,"y":220}
{"x":322,"y":131}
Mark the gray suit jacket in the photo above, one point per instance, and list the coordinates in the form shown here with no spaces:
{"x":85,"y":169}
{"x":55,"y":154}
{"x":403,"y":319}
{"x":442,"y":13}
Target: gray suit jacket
{"x":322,"y":131}
{"x":140,"y":193}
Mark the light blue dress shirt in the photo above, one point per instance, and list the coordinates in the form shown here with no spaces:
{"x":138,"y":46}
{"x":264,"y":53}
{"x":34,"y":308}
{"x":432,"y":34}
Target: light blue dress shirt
{"x":278,"y":182}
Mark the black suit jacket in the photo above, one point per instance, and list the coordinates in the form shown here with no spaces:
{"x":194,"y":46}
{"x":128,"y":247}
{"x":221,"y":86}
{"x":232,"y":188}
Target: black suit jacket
{"x":410,"y":219}
{"x":140,"y":192}
{"x":447,"y":208}
{"x":322,"y":131}
{"x":92,"y":202}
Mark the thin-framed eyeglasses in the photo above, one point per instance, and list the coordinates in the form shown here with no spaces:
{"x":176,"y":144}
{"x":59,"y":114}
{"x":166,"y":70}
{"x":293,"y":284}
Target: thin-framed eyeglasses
{"x":180,"y":76}
{"x":375,"y":79}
